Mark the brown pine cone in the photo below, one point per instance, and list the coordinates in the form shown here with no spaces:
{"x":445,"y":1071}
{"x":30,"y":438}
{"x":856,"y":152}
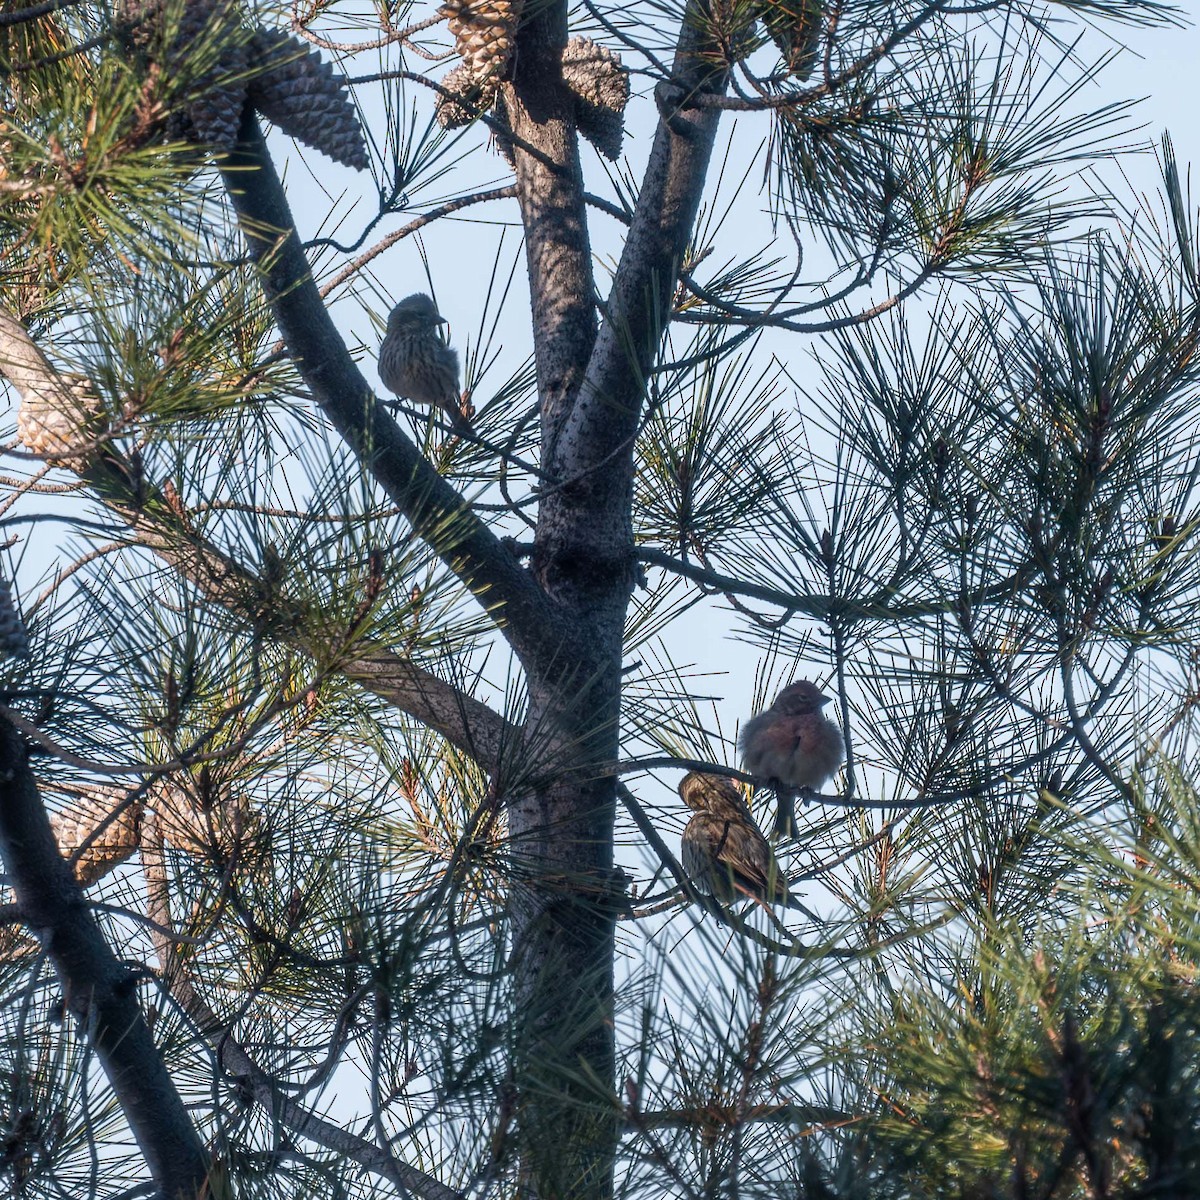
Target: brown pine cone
{"x":87,"y":809}
{"x":601,"y":87}
{"x":484,"y":33}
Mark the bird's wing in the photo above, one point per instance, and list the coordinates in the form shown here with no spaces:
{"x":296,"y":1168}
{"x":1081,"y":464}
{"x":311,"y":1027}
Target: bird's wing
{"x":744,"y":852}
{"x":782,"y":735}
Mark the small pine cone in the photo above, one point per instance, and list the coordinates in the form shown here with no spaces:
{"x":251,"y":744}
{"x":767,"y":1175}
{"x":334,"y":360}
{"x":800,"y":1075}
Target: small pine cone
{"x":795,"y":27}
{"x":230,"y":824}
{"x":58,"y":423}
{"x":14,"y":641}
{"x":467,"y":99}
{"x":118,"y":839}
{"x":484,"y":33}
{"x":601,"y":87}
{"x":302,"y":96}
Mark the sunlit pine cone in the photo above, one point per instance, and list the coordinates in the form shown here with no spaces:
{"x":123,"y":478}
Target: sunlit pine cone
{"x":601,"y":88}
{"x":465,"y":102}
{"x":227,"y":826}
{"x":14,"y":641}
{"x":58,"y":422}
{"x":75,"y":823}
{"x":484,"y":33}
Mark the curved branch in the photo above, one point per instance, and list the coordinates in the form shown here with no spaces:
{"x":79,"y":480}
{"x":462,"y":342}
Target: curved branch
{"x":417,"y":223}
{"x":821,"y":606}
{"x":437,"y":512}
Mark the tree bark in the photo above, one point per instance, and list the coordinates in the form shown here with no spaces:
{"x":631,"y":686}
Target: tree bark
{"x":565,"y":897}
{"x":565,"y":619}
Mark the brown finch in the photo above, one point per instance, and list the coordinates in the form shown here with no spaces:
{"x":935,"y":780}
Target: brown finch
{"x":792,"y":746}
{"x":723,"y":852}
{"x":416,"y":363}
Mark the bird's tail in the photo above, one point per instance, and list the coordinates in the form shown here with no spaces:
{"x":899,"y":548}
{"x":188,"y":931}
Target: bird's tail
{"x":785,"y":815}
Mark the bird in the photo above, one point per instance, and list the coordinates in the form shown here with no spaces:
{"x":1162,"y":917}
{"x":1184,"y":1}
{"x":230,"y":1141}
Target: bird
{"x":416,"y":363}
{"x":792,"y":746}
{"x":724,"y":853}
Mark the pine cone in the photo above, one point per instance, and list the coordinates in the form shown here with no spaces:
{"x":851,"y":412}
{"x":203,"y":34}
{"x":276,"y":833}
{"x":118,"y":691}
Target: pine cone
{"x":213,"y":116}
{"x":484,"y":33}
{"x":59,"y":422}
{"x":216,"y":114}
{"x":795,"y":27}
{"x":296,"y":90}
{"x":601,"y":87}
{"x":303,"y":97}
{"x":115,"y":842}
{"x":14,"y":642}
{"x":227,"y":825}
{"x":465,"y":103}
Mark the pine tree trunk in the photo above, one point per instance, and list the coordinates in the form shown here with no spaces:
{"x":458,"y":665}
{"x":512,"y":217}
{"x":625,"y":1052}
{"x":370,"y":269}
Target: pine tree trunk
{"x":563,"y":945}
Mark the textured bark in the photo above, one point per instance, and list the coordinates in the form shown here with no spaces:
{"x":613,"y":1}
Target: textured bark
{"x":564,"y":907}
{"x":99,"y":992}
{"x":554,"y":215}
{"x":563,"y":916}
{"x":588,"y":523}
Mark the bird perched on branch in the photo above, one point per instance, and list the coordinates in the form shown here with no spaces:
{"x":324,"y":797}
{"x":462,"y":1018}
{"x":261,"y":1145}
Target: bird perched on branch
{"x":792,"y":747}
{"x":724,"y":853}
{"x":416,"y":363}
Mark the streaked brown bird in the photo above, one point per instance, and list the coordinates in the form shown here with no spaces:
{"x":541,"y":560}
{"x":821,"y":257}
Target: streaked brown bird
{"x":723,"y":852}
{"x":792,"y":747}
{"x":415,"y":361}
